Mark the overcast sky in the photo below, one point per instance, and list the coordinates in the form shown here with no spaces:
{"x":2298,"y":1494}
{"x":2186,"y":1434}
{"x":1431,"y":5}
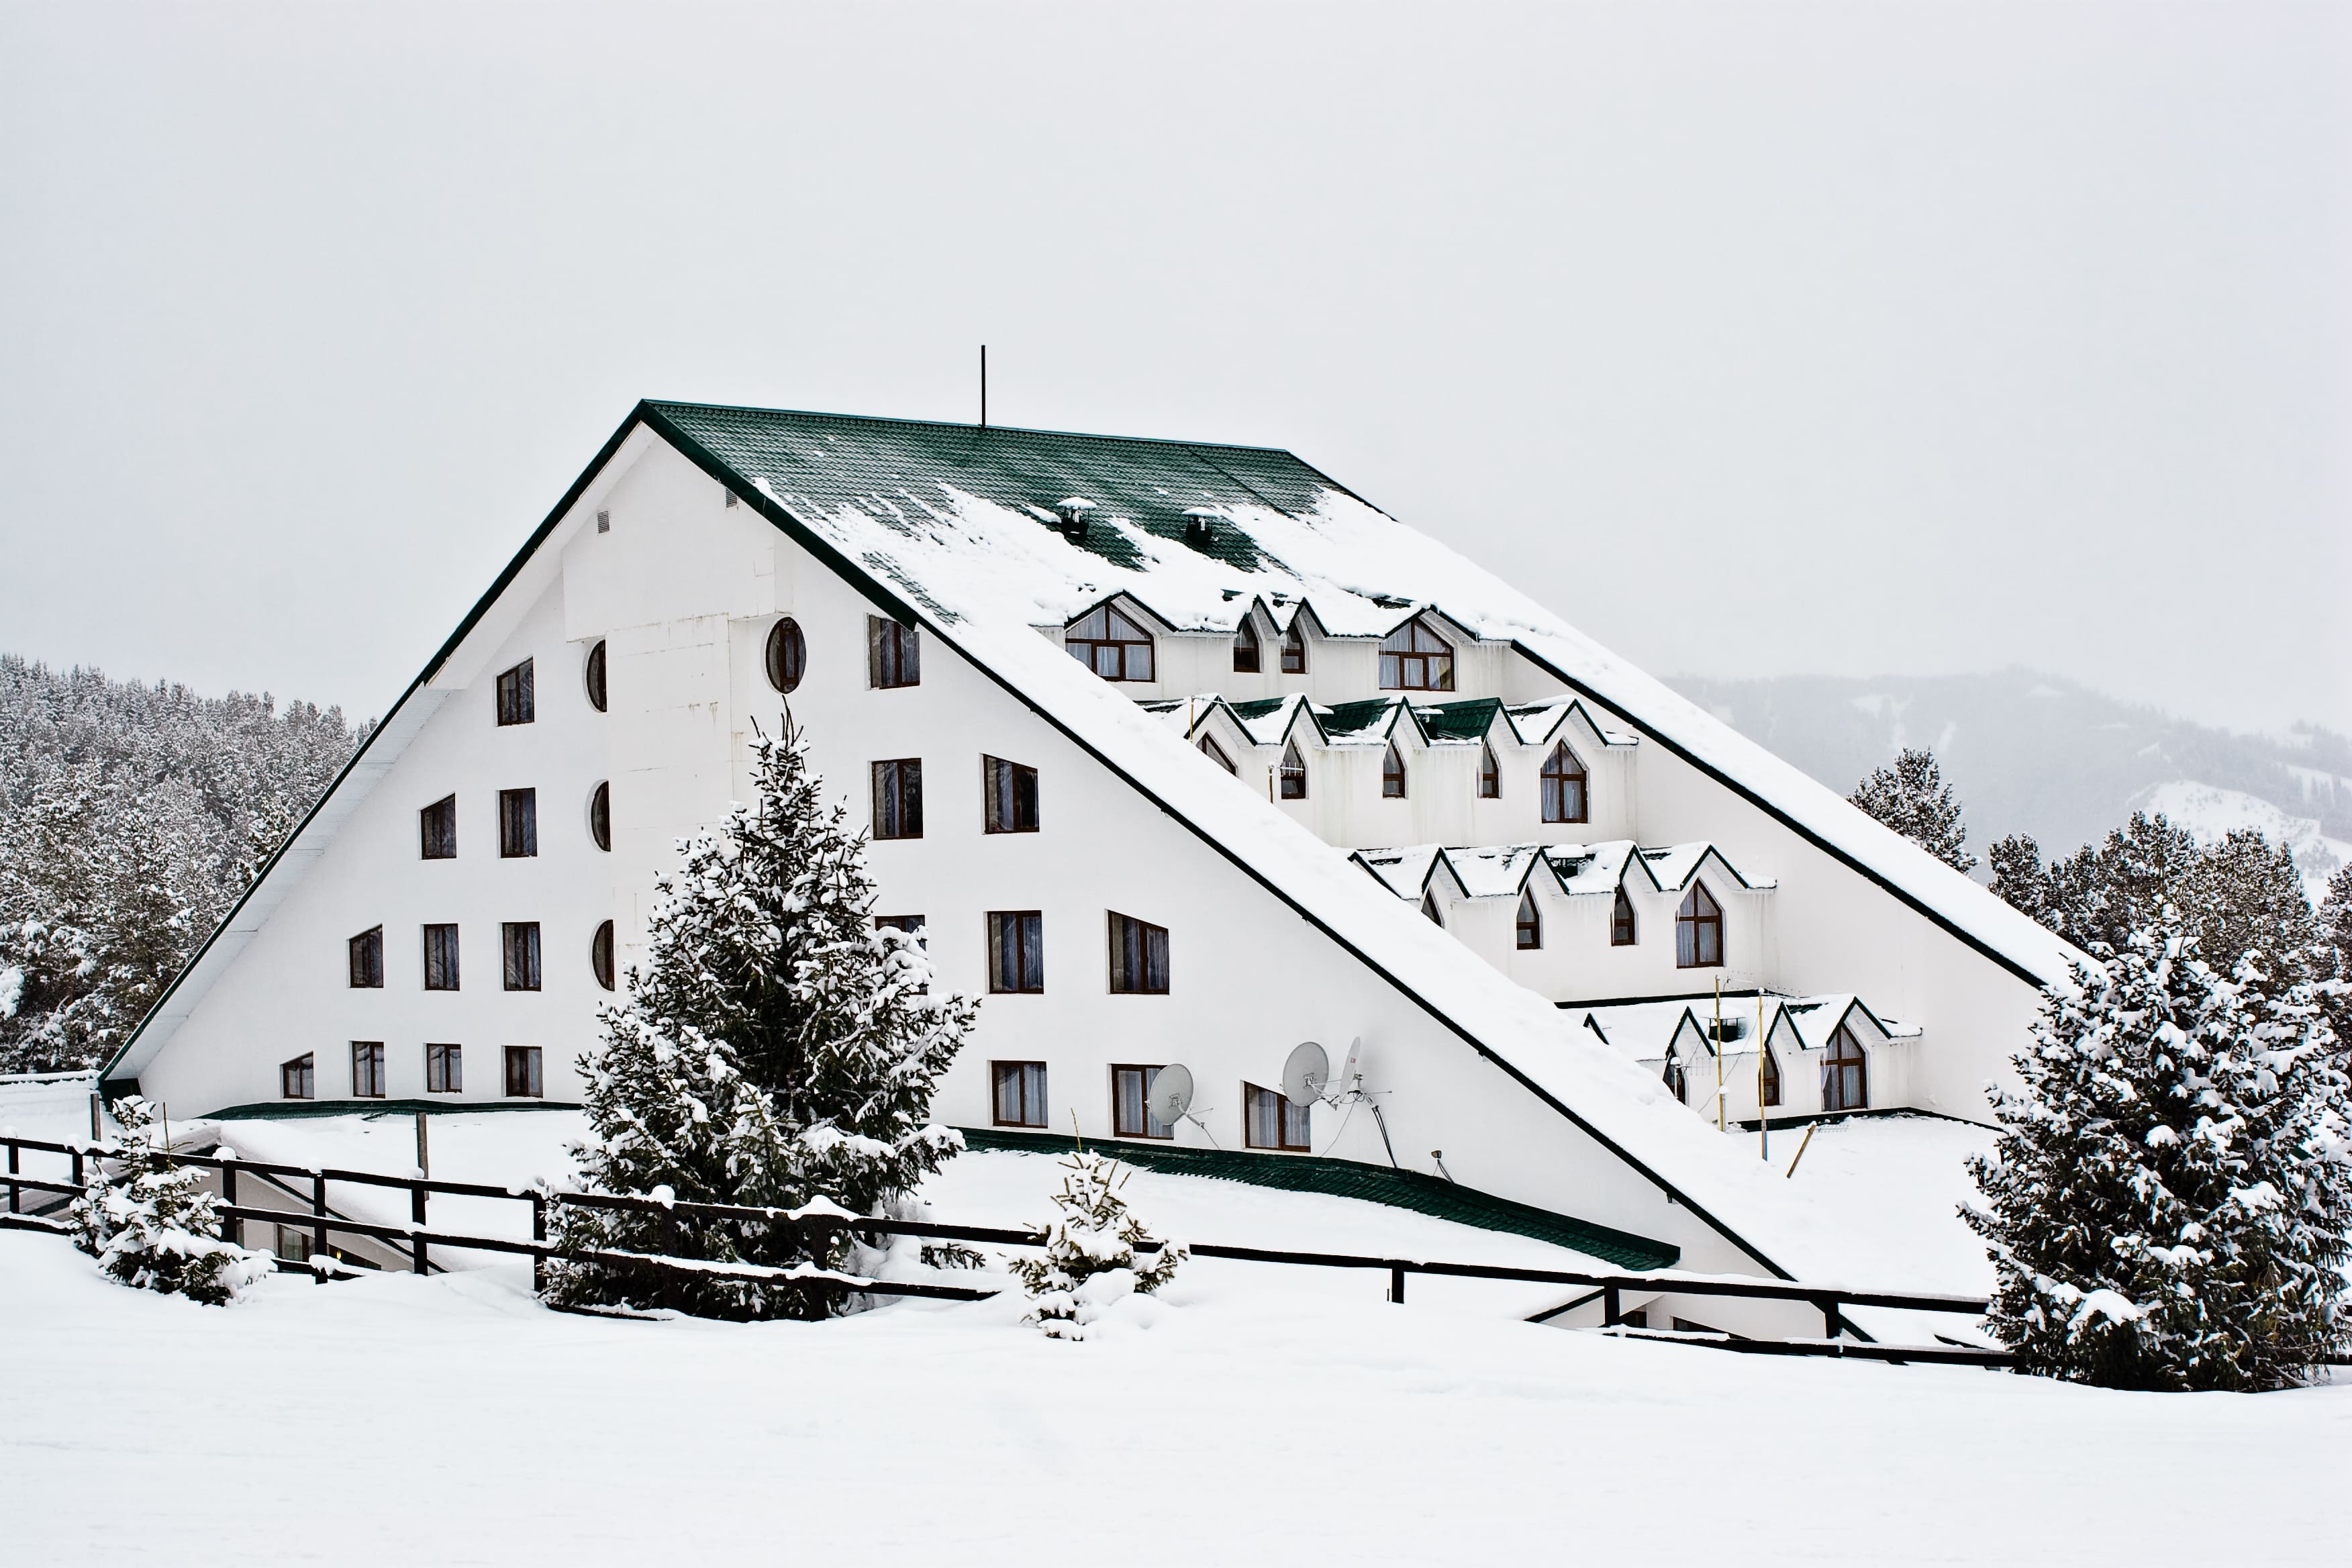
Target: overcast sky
{"x":1766,"y":338}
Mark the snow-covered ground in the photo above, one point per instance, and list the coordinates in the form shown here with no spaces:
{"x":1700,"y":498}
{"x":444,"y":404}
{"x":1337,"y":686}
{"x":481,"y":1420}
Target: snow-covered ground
{"x":392,"y":1419}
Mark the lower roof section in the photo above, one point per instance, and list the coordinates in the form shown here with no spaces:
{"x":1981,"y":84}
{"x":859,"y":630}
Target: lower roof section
{"x":1412,"y":1190}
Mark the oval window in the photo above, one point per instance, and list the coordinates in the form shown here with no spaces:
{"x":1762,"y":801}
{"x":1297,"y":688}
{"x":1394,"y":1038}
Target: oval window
{"x":600,"y":816}
{"x":595,"y":674}
{"x":787,"y":655}
{"x":600,"y":955}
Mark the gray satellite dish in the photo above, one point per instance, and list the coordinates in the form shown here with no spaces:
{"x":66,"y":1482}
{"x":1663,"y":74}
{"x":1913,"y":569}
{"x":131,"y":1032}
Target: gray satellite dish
{"x":1168,"y":1095}
{"x":1307,"y":1074}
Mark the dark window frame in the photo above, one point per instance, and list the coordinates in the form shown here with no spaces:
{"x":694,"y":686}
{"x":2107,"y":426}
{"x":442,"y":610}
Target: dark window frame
{"x":1292,"y":774}
{"x":1140,"y":1075}
{"x":786,"y":655}
{"x":1566,"y":786}
{"x":1625,"y":930}
{"x":1022,"y":960}
{"x":526,"y":1067}
{"x":518,"y":699}
{"x":916,"y":926}
{"x":1025,"y":1076}
{"x":1490,"y":773}
{"x":519,"y":954}
{"x":445,"y":1069}
{"x":436,"y":830}
{"x":1247,"y":657}
{"x":594,"y":677}
{"x":1429,"y":909}
{"x":1294,"y":649}
{"x":1528,"y":929}
{"x":1138,"y":956}
{"x":600,"y":956}
{"x":298,"y":1077}
{"x":441,"y":953}
{"x":367,"y":1069}
{"x":1216,"y":753}
{"x":517,"y":824}
{"x":1842,"y":1070}
{"x":1768,"y":1077}
{"x":894,"y":655}
{"x":367,"y":960}
{"x":1107,"y":654}
{"x":1407,"y":665}
{"x":1392,"y":773}
{"x":898,"y":798}
{"x":1008,"y":792}
{"x":1282,"y":1115}
{"x":1698,"y":929}
{"x":600,"y":816}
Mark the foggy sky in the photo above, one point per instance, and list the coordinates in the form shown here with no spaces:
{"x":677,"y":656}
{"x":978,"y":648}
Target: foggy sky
{"x":1767,"y":338}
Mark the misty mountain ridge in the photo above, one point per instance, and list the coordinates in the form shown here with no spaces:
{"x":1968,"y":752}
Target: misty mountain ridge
{"x":2032,"y":753}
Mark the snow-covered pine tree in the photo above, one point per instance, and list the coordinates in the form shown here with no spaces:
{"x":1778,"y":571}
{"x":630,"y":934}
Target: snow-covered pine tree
{"x":776,"y":1051}
{"x":2336,"y":914}
{"x":2018,"y":876}
{"x":2168,"y":1203}
{"x":1090,"y":1260}
{"x":150,"y":1224}
{"x":1912,"y":798}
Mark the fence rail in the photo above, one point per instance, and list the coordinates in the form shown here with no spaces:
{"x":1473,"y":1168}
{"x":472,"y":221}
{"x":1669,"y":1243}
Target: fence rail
{"x":415,"y":1241}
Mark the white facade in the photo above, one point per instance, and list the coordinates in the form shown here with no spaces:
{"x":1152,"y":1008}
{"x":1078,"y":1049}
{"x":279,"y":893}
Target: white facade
{"x":1276,"y":937}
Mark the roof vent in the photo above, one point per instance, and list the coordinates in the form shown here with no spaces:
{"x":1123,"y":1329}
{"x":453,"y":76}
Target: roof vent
{"x":1200,"y":524}
{"x":1073,"y":510}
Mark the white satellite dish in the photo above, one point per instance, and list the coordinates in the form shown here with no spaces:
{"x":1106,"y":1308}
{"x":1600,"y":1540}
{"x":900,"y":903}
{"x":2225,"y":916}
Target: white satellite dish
{"x":1307,"y":1074}
{"x":1168,"y":1095}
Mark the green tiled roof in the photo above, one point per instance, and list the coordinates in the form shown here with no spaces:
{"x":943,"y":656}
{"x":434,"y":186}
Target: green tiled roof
{"x":1351,"y":718}
{"x":1258,"y":706}
{"x":1460,"y":720}
{"x":833,"y":460}
{"x":1374,"y":1183}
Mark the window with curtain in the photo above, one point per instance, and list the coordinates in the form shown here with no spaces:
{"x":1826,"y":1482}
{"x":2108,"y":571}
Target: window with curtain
{"x":1529,"y":927}
{"x":1490,"y":774}
{"x":523,"y":1080}
{"x":441,"y":958}
{"x":367,"y":1069}
{"x":1392,"y":773}
{"x":1564,"y":786}
{"x":445,"y":1069}
{"x":297,"y":1079}
{"x":516,"y":703}
{"x":1110,"y":645}
{"x":1269,"y":1120}
{"x":894,"y":654}
{"x":1294,"y":649}
{"x":1415,"y":659}
{"x":1020,"y":1093}
{"x":437,"y":823}
{"x":1130,"y":1104}
{"x":1294,"y":772}
{"x":520,"y":940}
{"x":1245,"y":648}
{"x":788,"y":656}
{"x":1846,"y":1073}
{"x":367,"y":960}
{"x":1698,"y":930}
{"x":1621,"y":920}
{"x":1139,"y":957}
{"x":1016,"y":951}
{"x":517,"y":824}
{"x":1011,"y":795}
{"x":898,"y":798}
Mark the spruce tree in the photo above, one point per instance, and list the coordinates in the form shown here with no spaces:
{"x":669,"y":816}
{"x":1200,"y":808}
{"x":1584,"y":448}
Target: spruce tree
{"x":150,"y":1224}
{"x":2168,"y":1202}
{"x":1912,"y":798}
{"x":1090,"y":1261}
{"x":776,"y":1051}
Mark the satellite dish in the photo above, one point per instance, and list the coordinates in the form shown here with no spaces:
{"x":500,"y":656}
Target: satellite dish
{"x":1168,"y":1095}
{"x":1306,"y":1074}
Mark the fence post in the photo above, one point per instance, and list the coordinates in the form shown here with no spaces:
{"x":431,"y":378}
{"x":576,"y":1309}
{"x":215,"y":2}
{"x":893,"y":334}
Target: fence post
{"x":538,"y":1233}
{"x":234,"y":1228}
{"x":417,"y":1214}
{"x":79,"y":1179}
{"x":1611,"y":1304}
{"x":1829,"y":1327}
{"x":318,"y":1221}
{"x":1396,"y":1285}
{"x":13,"y":1188}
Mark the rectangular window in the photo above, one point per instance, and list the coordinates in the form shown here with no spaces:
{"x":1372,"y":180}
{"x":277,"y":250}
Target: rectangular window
{"x":1130,"y":1104}
{"x":445,"y":1069}
{"x":898,"y":798}
{"x":296,"y":1080}
{"x":1139,"y":957}
{"x":522,"y":1073}
{"x":1270,"y":1121}
{"x":293,"y":1244}
{"x":911,"y":924}
{"x":893,"y":654}
{"x":367,"y":1069}
{"x":1020,"y":1093}
{"x":441,"y":958}
{"x":515,"y":695}
{"x":438,"y":823}
{"x":367,"y":960}
{"x":1012,"y":795}
{"x":1016,"y":951}
{"x":520,"y":940}
{"x":518,"y":823}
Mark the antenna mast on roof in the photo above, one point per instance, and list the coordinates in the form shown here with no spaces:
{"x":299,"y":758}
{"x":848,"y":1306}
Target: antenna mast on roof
{"x":983,"y":386}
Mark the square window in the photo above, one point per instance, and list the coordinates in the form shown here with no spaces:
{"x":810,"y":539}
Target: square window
{"x":522,"y":1073}
{"x":367,"y":960}
{"x":441,"y":958}
{"x":1020,"y":1097}
{"x":515,"y":701}
{"x":518,"y":823}
{"x":1016,"y":951}
{"x":445,"y":1069}
{"x":367,"y":1069}
{"x":911,"y":924}
{"x":293,"y":1244}
{"x":520,"y":940}
{"x":898,"y":798}
{"x":438,"y":825}
{"x":1269,"y":1120}
{"x":1139,"y":957}
{"x":893,"y":654}
{"x":1130,"y":1104}
{"x":1011,"y":792}
{"x":297,"y":1079}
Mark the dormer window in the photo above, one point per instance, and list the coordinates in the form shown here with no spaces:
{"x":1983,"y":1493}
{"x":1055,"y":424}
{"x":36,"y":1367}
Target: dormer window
{"x":1564,"y":786}
{"x":1620,"y":921}
{"x":1414,"y":658}
{"x":1530,"y":922}
{"x":1392,"y":773}
{"x":1698,"y":930}
{"x":1294,"y":649}
{"x":1294,"y":772}
{"x":1490,"y":774}
{"x":1429,"y":908}
{"x":1110,"y":645}
{"x":1768,"y":1079}
{"x":1245,"y":650}
{"x":1216,"y":753}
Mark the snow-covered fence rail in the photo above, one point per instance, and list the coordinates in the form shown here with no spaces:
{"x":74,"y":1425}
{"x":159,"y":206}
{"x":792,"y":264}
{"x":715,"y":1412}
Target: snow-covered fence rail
{"x":413,"y":1241}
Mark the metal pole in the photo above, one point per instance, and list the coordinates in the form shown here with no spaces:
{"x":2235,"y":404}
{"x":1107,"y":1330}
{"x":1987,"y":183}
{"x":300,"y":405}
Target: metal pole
{"x":1718,"y":1053}
{"x":97,"y":1113}
{"x":1763,"y":1043}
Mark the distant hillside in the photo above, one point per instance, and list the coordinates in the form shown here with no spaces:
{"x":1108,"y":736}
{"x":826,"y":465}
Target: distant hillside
{"x":2037,"y":753}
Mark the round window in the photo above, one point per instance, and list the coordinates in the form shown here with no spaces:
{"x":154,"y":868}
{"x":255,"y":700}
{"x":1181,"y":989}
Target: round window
{"x":787,"y":655}
{"x":600,"y":816}
{"x":595,"y":676}
{"x":600,"y":955}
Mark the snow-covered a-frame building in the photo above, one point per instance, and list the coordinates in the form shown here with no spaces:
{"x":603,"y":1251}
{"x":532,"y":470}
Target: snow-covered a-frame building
{"x":1176,"y":753}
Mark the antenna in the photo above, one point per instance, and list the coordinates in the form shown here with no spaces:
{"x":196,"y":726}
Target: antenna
{"x":983,"y":386}
{"x":1307,"y":1075}
{"x":1168,"y":1099}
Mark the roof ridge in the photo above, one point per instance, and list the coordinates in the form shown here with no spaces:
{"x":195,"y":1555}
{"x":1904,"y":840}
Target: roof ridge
{"x":669,"y":403}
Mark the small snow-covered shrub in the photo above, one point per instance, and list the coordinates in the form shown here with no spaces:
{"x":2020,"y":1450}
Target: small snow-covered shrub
{"x":151,"y":1225}
{"x":2167,"y":1206}
{"x":1090,"y":1252}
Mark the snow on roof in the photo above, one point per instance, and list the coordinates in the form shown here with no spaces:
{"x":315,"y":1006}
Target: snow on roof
{"x":1644,"y":1030}
{"x":1496,"y":870}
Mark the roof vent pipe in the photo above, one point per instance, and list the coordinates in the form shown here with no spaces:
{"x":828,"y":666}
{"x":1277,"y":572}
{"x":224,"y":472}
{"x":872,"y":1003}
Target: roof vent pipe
{"x":1073,"y":510}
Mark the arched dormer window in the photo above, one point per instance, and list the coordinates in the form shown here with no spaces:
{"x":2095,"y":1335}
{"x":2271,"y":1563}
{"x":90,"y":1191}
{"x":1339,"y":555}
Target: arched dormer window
{"x":1294,"y":649}
{"x":1768,"y":1079}
{"x":1244,"y":649}
{"x":1216,"y":754}
{"x":1110,"y":645}
{"x":1678,"y":1081}
{"x":1698,"y":930}
{"x":1294,"y":772}
{"x":1429,"y":908}
{"x":1530,"y":922}
{"x":1490,"y":774}
{"x":1414,"y":658}
{"x":1620,"y":921}
{"x":1845,"y":1075}
{"x":1565,"y":798}
{"x":1392,"y":773}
